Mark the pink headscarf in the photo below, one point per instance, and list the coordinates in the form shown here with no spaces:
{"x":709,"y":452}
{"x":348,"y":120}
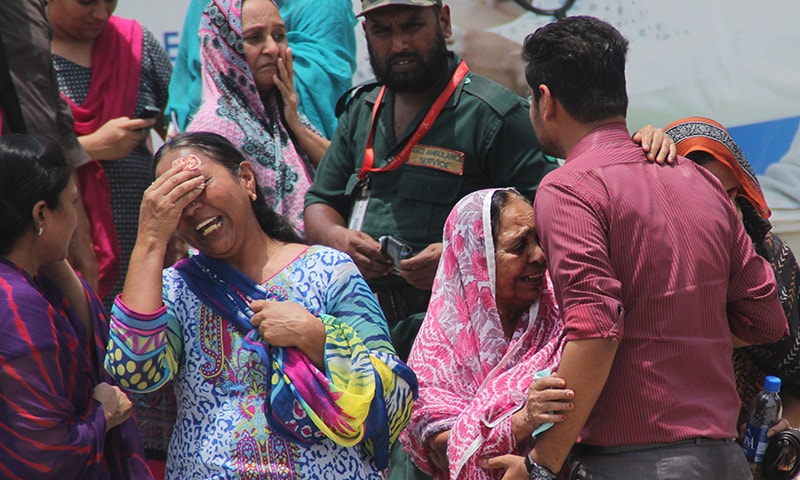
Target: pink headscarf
{"x":232,"y":107}
{"x":471,"y":378}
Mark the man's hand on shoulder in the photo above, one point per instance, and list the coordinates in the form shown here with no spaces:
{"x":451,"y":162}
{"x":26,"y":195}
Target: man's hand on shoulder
{"x":420,"y":269}
{"x":658,"y":146}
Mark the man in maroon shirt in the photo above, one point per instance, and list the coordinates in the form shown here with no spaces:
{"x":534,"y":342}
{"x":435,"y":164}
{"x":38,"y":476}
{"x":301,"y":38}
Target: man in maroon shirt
{"x":655,"y":275}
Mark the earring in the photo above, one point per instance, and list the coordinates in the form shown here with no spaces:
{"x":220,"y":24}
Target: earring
{"x":253,"y":197}
{"x":40,"y":231}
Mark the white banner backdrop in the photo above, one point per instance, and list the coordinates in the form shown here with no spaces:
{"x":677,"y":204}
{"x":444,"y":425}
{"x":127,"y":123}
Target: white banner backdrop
{"x":732,"y":60}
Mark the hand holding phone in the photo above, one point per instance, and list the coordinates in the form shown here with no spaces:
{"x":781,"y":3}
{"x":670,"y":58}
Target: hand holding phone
{"x":149,"y":111}
{"x":395,"y":249}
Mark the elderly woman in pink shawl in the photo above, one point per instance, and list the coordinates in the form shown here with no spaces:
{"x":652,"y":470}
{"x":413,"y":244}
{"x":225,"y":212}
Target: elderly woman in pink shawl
{"x":492,"y":325}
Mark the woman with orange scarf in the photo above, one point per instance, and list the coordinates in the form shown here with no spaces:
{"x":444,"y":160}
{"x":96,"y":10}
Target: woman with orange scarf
{"x":708,"y":143}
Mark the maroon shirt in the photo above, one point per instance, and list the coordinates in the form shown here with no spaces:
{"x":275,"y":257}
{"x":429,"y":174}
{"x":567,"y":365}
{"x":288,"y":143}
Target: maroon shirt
{"x":655,"y":257}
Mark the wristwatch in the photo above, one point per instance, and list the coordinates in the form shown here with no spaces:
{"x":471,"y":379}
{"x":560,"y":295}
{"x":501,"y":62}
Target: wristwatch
{"x":536,"y":471}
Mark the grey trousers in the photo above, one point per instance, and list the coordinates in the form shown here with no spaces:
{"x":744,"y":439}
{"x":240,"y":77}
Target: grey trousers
{"x":682,"y":462}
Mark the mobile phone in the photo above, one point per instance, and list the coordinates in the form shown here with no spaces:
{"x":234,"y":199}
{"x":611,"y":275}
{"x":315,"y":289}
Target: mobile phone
{"x":395,"y":249}
{"x":149,"y":111}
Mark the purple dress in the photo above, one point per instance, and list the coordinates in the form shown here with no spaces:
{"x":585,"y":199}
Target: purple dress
{"x":50,"y":426}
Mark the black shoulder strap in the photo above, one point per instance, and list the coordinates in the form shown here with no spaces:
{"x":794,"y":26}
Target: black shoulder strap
{"x":344,"y":100}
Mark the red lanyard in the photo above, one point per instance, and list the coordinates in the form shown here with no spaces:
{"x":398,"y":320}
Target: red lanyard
{"x":427,"y":123}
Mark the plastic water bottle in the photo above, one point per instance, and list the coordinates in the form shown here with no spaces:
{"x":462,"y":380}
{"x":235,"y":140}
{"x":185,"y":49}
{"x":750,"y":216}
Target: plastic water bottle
{"x":764,"y":413}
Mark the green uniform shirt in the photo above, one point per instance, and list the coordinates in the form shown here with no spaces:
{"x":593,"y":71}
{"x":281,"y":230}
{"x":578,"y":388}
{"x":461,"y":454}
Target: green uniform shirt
{"x":482,"y":138}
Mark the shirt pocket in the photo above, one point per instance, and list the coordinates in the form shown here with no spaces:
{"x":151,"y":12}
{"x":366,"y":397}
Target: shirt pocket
{"x":427,"y":196}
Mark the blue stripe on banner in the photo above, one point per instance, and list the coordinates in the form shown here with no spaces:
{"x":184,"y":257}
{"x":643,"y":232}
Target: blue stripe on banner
{"x":765,"y":143}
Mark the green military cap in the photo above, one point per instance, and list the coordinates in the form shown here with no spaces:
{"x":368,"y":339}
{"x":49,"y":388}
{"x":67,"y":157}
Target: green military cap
{"x":369,"y":5}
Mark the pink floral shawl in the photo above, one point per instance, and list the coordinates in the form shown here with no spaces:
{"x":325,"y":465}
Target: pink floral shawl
{"x":232,"y":107}
{"x":471,"y":378}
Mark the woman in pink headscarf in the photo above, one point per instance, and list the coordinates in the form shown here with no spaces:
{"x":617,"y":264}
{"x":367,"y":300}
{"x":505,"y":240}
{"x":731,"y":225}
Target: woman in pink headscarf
{"x":249,"y":98}
{"x":492,"y":324}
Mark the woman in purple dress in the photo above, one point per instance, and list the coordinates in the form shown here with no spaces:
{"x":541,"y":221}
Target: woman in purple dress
{"x":61,"y":416}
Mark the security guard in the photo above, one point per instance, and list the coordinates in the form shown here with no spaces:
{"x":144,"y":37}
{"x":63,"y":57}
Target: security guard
{"x":408,"y":148}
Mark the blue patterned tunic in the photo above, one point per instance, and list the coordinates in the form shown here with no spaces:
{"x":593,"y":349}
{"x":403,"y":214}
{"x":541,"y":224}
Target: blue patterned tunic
{"x":222,"y":387}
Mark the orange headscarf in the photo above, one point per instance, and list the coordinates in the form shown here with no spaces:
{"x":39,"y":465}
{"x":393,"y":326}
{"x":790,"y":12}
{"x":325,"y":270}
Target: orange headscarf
{"x":695,"y":134}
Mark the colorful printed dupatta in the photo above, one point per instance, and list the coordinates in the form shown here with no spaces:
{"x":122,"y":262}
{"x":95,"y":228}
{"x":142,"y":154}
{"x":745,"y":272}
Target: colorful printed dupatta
{"x":471,"y":378}
{"x":232,"y":107}
{"x":348,"y":406}
{"x":50,"y":424}
{"x":113,"y":91}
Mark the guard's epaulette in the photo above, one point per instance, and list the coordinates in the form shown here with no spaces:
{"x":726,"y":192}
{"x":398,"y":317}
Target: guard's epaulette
{"x":349,"y":95}
{"x":501,"y":99}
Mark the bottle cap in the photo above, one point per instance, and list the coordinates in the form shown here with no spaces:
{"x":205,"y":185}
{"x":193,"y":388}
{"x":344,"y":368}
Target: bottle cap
{"x":772,"y":384}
